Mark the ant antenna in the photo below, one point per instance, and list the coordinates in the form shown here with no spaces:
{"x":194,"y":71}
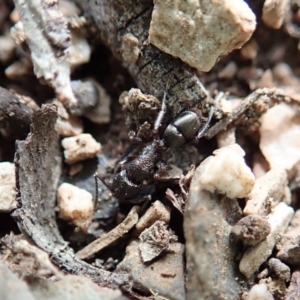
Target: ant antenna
{"x":204,"y":128}
{"x":163,"y":109}
{"x":96,"y":176}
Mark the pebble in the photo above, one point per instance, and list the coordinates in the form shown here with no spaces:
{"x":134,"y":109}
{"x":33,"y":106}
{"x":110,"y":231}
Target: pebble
{"x":163,"y":278}
{"x":75,"y":205}
{"x":255,"y":256}
{"x":79,"y":148}
{"x":199,"y":33}
{"x":280,"y":137}
{"x":280,"y":269}
{"x":259,"y":292}
{"x":156,"y":212}
{"x":211,"y":254}
{"x":267,"y":192}
{"x":7,"y":187}
{"x":251,"y":230}
{"x":227,"y":173}
{"x":274,"y":12}
{"x":289,"y":245}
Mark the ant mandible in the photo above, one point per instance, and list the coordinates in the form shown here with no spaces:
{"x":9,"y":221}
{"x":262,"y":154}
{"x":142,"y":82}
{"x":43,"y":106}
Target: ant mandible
{"x":133,"y":181}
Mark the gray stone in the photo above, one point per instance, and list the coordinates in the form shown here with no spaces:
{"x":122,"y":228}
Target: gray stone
{"x":212,"y":272}
{"x":164,"y":277}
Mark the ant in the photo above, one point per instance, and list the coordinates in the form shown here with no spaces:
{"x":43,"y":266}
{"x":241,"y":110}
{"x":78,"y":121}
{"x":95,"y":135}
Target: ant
{"x":134,"y":176}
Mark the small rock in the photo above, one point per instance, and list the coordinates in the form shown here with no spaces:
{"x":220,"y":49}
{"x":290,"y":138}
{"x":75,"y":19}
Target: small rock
{"x":255,"y":256}
{"x":11,"y":287}
{"x":267,"y":192}
{"x":67,"y":125}
{"x":156,"y":212}
{"x":75,"y":205}
{"x":259,"y":292}
{"x":227,"y":173}
{"x":281,"y":270}
{"x":130,"y":50}
{"x":200,"y":32}
{"x":71,"y":287}
{"x":249,"y":50}
{"x":251,"y":229}
{"x":163,"y":277}
{"x":7,"y":187}
{"x":293,"y":292}
{"x":280,"y":137}
{"x":211,"y":254}
{"x":80,"y":147}
{"x":289,"y":245}
{"x":154,"y":240}
{"x":229,"y":71}
{"x":274,"y":12}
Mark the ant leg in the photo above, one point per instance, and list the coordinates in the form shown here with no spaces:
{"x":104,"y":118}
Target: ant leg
{"x":203,"y":129}
{"x":96,"y":177}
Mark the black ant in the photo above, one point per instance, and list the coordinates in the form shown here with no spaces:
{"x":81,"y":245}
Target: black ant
{"x":134,"y":176}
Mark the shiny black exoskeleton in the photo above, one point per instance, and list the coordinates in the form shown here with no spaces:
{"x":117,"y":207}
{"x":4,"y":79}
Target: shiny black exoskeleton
{"x":134,"y":177}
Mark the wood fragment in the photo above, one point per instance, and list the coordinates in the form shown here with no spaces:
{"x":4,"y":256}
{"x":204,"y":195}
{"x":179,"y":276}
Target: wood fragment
{"x":111,"y":236}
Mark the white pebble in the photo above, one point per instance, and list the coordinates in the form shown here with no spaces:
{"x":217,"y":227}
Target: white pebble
{"x":227,"y":173}
{"x":80,"y":147}
{"x":75,"y":205}
{"x":259,"y":292}
{"x":199,"y":32}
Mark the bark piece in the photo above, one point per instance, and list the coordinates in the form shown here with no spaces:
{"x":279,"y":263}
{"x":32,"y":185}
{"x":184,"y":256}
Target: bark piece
{"x":15,"y":114}
{"x":111,"y":236}
{"x":152,"y":69}
{"x":200,"y":32}
{"x":48,"y":38}
{"x":38,"y":168}
{"x":155,"y":240}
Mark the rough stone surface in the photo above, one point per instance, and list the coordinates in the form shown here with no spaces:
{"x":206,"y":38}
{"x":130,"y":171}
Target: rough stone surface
{"x":251,"y":229}
{"x":164,"y":277}
{"x":11,"y":287}
{"x":75,"y":205}
{"x":289,"y":245}
{"x":7,"y":187}
{"x":211,"y":267}
{"x":71,"y":287}
{"x":267,"y":192}
{"x":254,"y":257}
{"x":227,"y":173}
{"x":80,"y":147}
{"x":200,"y":32}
